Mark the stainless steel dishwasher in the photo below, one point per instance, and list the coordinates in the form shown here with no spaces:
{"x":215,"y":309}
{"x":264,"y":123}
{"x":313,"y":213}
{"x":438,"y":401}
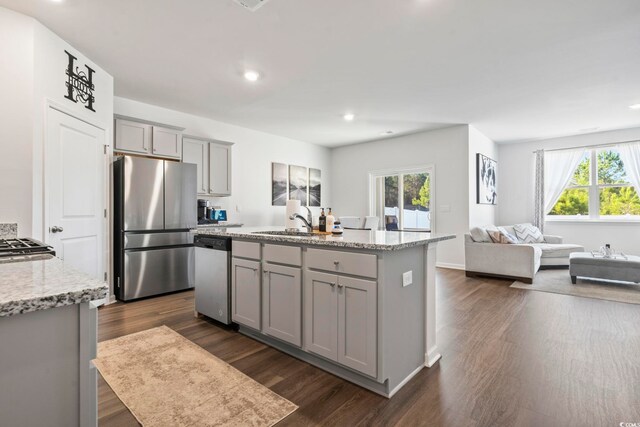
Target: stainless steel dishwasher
{"x":213,"y":280}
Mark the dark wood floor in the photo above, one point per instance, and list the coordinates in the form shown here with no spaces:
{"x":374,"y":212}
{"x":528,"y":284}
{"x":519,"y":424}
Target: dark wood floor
{"x":510,"y":358}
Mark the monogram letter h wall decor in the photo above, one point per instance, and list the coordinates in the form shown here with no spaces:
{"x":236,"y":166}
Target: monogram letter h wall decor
{"x":79,"y":83}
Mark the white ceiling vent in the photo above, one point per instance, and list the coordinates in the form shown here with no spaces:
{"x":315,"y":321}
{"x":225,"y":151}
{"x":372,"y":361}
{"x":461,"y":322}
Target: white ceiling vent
{"x":251,"y":5}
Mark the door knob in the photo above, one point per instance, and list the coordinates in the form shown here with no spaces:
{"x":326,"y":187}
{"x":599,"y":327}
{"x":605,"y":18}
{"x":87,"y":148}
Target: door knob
{"x":56,"y":229}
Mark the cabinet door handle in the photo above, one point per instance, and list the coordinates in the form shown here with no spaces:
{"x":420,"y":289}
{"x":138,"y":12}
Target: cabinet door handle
{"x":340,"y":285}
{"x":265,"y":271}
{"x":336,"y":263}
{"x":332,"y":284}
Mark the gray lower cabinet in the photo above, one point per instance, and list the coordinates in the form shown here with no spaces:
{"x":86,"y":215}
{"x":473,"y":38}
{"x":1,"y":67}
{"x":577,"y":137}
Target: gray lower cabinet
{"x":321,"y":314}
{"x":341,"y":320}
{"x":245,"y":293}
{"x":357,"y":324}
{"x":282,"y":303}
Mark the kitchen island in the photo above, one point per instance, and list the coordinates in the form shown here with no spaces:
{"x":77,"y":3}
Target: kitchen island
{"x":48,"y":337}
{"x":361,"y":305}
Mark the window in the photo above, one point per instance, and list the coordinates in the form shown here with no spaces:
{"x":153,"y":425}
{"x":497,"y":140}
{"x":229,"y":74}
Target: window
{"x":599,"y":189}
{"x":402,"y":199}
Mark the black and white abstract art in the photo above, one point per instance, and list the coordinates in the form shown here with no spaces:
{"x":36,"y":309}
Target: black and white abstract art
{"x":298,"y":184}
{"x":486,"y":180}
{"x":315,"y":187}
{"x":279,"y":175}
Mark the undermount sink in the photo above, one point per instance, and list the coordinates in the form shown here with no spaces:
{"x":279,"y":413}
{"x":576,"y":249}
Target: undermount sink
{"x":286,"y":233}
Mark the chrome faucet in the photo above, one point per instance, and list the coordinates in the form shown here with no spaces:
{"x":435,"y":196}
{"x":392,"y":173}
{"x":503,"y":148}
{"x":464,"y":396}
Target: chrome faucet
{"x":308,"y":221}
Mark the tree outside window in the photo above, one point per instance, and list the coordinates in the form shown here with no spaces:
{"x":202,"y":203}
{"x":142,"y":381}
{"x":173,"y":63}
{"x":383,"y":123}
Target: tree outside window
{"x":599,"y":187}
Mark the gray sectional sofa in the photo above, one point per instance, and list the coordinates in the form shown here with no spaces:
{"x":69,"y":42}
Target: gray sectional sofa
{"x":515,"y":261}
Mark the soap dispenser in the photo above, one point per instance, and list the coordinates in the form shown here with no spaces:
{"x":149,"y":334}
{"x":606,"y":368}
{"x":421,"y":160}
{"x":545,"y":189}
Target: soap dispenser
{"x":322,"y":221}
{"x":330,"y":220}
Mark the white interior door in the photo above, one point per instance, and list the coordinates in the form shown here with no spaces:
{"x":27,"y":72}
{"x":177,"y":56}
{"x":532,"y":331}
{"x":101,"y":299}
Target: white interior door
{"x":75,"y":189}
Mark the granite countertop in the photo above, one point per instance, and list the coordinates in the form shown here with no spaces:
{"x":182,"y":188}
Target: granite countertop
{"x":8,"y":230}
{"x":225,"y":225}
{"x":44,"y":283}
{"x":355,"y":239}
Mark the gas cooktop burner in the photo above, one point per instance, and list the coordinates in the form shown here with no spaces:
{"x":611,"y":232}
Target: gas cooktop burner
{"x":18,"y":247}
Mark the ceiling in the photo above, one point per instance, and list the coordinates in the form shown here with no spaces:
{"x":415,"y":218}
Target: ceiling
{"x":515,"y":69}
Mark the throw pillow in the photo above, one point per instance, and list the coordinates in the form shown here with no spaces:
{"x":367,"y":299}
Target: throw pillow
{"x":500,"y":235}
{"x":480,"y":235}
{"x":528,"y":233}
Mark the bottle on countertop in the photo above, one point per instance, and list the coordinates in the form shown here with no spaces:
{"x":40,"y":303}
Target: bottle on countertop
{"x":322,"y":221}
{"x":330,"y":220}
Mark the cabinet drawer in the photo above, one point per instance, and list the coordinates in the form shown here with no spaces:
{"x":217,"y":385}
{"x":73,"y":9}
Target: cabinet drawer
{"x":245,"y":249}
{"x":365,"y":265}
{"x":291,"y":255}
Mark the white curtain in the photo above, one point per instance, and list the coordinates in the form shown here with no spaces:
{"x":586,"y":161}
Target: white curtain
{"x":559,"y":167}
{"x":538,"y":202}
{"x":630,"y":156}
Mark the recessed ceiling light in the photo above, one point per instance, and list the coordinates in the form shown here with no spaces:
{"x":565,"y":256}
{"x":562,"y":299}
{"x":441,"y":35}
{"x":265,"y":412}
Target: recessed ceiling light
{"x":387,"y":132}
{"x":590,"y":129}
{"x":349,"y":117}
{"x":251,"y":75}
{"x":635,"y":106}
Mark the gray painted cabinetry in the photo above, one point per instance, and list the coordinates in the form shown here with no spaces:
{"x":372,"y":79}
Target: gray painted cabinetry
{"x":340,"y":311}
{"x":213,"y":160}
{"x":132,"y":136}
{"x":281,"y":303}
{"x":361,"y":306}
{"x":245,"y":292}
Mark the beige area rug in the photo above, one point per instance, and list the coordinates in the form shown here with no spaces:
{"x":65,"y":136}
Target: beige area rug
{"x":559,"y":282}
{"x":166,"y":380}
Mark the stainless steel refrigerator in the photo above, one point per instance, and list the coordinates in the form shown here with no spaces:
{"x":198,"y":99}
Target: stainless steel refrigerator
{"x":155,"y":207}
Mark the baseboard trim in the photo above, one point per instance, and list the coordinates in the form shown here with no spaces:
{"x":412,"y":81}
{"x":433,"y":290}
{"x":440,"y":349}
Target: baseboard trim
{"x":450,"y":266}
{"x":432,"y":357}
{"x":405,"y":381}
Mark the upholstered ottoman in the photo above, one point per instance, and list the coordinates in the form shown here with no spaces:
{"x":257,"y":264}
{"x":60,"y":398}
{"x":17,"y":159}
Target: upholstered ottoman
{"x":584,"y":264}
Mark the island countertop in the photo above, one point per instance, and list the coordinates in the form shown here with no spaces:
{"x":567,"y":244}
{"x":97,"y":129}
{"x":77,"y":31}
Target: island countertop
{"x":44,"y":283}
{"x":355,"y":239}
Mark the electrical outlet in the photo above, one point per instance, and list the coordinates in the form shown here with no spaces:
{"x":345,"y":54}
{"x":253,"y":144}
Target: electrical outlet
{"x":407,"y":278}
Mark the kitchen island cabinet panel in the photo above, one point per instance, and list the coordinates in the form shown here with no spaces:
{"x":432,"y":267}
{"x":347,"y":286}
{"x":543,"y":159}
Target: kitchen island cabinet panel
{"x":357,"y":324}
{"x":321,"y":314}
{"x":282,"y":303}
{"x":245,"y":300}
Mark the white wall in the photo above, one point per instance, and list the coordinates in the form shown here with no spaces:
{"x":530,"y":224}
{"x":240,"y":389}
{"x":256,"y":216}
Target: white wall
{"x":516,"y":184}
{"x":49,"y":91}
{"x":16,"y":122}
{"x":33,"y":75}
{"x":480,"y":215}
{"x":447,"y":149}
{"x":253,"y":153}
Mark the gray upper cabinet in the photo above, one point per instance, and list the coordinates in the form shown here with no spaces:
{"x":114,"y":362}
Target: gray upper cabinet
{"x":167,"y":142}
{"x":213,"y":159}
{"x":138,"y":137}
{"x":133,"y":137}
{"x":282,"y":303}
{"x":220,"y":169}
{"x":245,"y":292}
{"x":196,"y":151}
